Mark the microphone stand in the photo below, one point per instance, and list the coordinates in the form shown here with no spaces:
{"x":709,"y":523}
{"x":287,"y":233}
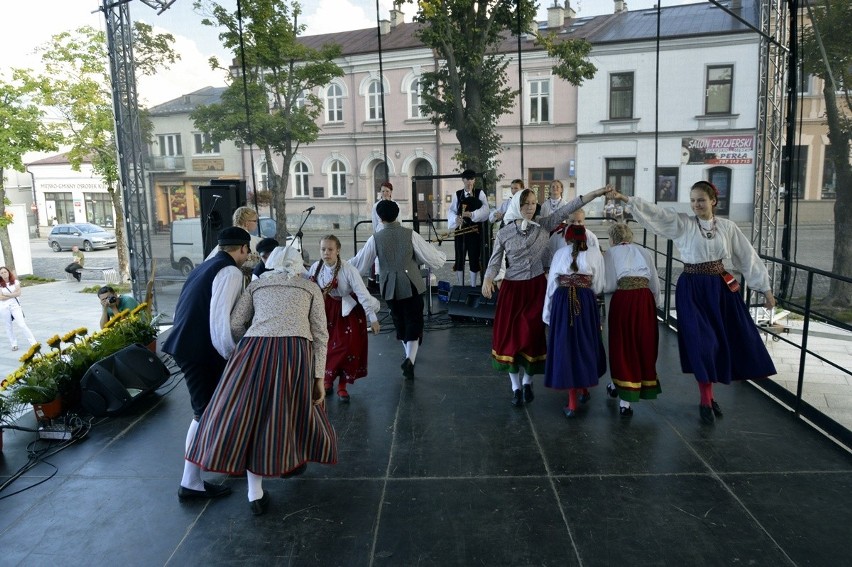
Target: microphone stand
{"x":299,"y":234}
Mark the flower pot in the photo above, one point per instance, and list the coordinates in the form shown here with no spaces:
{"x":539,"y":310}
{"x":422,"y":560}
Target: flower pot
{"x":50,"y":410}
{"x":152,"y":346}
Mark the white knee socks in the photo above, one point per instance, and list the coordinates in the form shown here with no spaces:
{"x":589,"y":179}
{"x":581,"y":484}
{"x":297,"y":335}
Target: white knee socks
{"x":460,"y":278}
{"x":191,"y":471}
{"x":516,"y":381}
{"x":473,"y":276}
{"x":255,"y":486}
{"x":527,"y":377}
{"x":412,"y":350}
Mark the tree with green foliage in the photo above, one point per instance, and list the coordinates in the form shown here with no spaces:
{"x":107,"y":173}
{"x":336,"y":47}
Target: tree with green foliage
{"x":833,"y":65}
{"x":469,"y":90}
{"x":281,"y":77}
{"x":21,"y":131}
{"x":75,"y":83}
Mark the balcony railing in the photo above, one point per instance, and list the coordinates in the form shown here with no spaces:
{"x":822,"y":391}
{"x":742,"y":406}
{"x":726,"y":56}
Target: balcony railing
{"x":167,"y":163}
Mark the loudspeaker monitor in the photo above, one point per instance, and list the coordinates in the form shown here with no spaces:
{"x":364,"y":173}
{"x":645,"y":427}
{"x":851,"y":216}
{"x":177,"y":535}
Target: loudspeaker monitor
{"x":218,"y":203}
{"x":466,"y":302}
{"x":113,"y":384}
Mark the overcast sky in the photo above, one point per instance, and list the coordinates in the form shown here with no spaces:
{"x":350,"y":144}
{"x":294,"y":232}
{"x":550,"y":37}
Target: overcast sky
{"x":30,"y":23}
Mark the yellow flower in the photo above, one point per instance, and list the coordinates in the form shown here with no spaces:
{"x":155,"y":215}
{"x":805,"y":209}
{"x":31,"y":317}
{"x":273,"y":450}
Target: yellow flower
{"x":82,"y":331}
{"x":69,"y":336}
{"x":138,"y":308}
{"x":53,"y":342}
{"x":31,"y":352}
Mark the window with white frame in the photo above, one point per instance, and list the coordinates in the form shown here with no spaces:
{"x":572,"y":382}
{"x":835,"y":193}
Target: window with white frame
{"x":337,"y":179}
{"x":374,"y":101}
{"x":169,"y":145}
{"x":539,"y":100}
{"x":263,"y":176}
{"x":415,"y":99}
{"x":334,"y":103}
{"x":300,"y":180}
{"x":204,"y":143}
{"x":621,"y":96}
{"x":719,"y":89}
{"x":300,"y":99}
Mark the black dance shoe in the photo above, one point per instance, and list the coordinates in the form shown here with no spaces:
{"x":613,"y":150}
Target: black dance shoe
{"x":584,"y":397}
{"x":259,"y":506}
{"x":611,"y":390}
{"x":528,"y":393}
{"x":717,"y":409}
{"x":625,"y":411}
{"x":707,"y":414}
{"x":569,"y":413}
{"x":407,"y":369}
{"x":517,"y":399}
{"x":210,"y":491}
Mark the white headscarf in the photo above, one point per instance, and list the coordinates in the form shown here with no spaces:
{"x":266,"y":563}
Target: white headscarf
{"x":513,"y":213}
{"x":285,"y":261}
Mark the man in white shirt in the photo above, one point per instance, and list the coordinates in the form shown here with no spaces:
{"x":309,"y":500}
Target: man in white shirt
{"x":200,"y":340}
{"x":468,"y":208}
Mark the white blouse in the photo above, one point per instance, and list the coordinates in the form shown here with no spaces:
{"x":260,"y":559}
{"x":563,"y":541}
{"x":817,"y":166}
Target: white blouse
{"x":590,"y":262}
{"x":629,"y":259}
{"x":729,"y":243}
{"x":549,"y":206}
{"x":348,"y":281}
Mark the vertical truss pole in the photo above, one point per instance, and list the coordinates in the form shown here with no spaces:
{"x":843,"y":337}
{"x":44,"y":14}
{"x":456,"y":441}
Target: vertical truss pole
{"x":770,"y":123}
{"x":128,"y":135}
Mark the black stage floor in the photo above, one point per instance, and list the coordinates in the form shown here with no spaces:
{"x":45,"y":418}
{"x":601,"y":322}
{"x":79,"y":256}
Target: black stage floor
{"x":442,"y":470}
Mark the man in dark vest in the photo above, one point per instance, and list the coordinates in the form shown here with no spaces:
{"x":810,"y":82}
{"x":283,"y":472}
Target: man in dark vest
{"x":400,"y":252}
{"x":200,"y":340}
{"x":469,"y":209}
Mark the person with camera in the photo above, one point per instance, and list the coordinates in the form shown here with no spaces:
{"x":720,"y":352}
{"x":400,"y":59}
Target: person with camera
{"x":112,"y":304}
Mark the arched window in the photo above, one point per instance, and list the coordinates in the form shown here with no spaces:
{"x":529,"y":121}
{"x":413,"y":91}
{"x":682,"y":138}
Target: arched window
{"x":415,"y":99}
{"x":300,"y":180}
{"x":334,"y":103}
{"x":374,"y":101}
{"x":263,"y":176}
{"x":337,"y":179}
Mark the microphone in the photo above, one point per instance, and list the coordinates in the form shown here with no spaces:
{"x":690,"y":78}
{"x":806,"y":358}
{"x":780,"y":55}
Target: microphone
{"x":309,"y":209}
{"x":217,"y":196}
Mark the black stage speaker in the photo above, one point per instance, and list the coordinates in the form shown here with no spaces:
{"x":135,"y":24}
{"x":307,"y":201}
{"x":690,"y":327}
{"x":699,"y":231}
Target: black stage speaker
{"x":219,"y":200}
{"x":467,"y":302}
{"x":111,"y":385}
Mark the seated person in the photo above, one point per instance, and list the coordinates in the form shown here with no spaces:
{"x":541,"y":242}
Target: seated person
{"x":113,"y":304}
{"x":264,"y":249}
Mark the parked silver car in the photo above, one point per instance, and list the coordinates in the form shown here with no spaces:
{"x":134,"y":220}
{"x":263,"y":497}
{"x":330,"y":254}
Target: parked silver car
{"x":83,"y":234}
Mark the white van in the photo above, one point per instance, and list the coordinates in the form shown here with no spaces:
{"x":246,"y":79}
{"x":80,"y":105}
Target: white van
{"x":187,"y":247}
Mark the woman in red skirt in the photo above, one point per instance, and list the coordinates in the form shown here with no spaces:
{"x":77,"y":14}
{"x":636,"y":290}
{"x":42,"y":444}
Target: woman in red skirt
{"x":519,"y":343}
{"x":633,"y":332}
{"x":348,"y":305}
{"x":267,"y":416}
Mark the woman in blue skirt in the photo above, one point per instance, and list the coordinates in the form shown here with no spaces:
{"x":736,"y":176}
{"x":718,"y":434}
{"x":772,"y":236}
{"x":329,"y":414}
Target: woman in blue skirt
{"x":717,"y":338}
{"x":575,"y":352}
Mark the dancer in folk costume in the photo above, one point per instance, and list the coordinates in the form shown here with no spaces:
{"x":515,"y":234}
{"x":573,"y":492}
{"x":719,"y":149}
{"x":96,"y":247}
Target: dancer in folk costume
{"x":717,"y":338}
{"x":266,"y":417}
{"x":633,"y":333}
{"x":576,"y":358}
{"x":519,"y":343}
{"x":348,"y":305}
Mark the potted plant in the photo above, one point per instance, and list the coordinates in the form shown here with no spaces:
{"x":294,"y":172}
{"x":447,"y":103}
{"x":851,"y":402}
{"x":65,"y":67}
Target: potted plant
{"x":136,"y":327}
{"x":39,"y":386}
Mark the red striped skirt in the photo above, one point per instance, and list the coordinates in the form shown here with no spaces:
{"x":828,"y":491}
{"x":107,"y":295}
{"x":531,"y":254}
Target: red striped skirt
{"x":633,"y":342}
{"x":261,"y":417}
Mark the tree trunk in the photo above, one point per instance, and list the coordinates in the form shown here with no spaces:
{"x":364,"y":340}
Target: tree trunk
{"x":840,"y":293}
{"x":278,"y":188}
{"x":123,"y":268}
{"x":5,"y":241}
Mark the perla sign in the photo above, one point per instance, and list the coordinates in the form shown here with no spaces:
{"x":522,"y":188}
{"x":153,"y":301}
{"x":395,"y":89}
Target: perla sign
{"x":718,"y":150}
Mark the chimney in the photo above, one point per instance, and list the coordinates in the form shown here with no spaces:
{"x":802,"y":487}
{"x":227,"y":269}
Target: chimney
{"x":569,"y":11}
{"x":396,"y":18}
{"x":384,"y":27}
{"x":555,"y":17}
{"x":620,"y":6}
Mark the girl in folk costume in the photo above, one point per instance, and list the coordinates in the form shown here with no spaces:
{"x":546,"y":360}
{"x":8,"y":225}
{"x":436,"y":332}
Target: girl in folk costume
{"x":633,"y":333}
{"x":348,"y":305}
{"x":718,"y":340}
{"x":519,"y":344}
{"x":576,"y":359}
